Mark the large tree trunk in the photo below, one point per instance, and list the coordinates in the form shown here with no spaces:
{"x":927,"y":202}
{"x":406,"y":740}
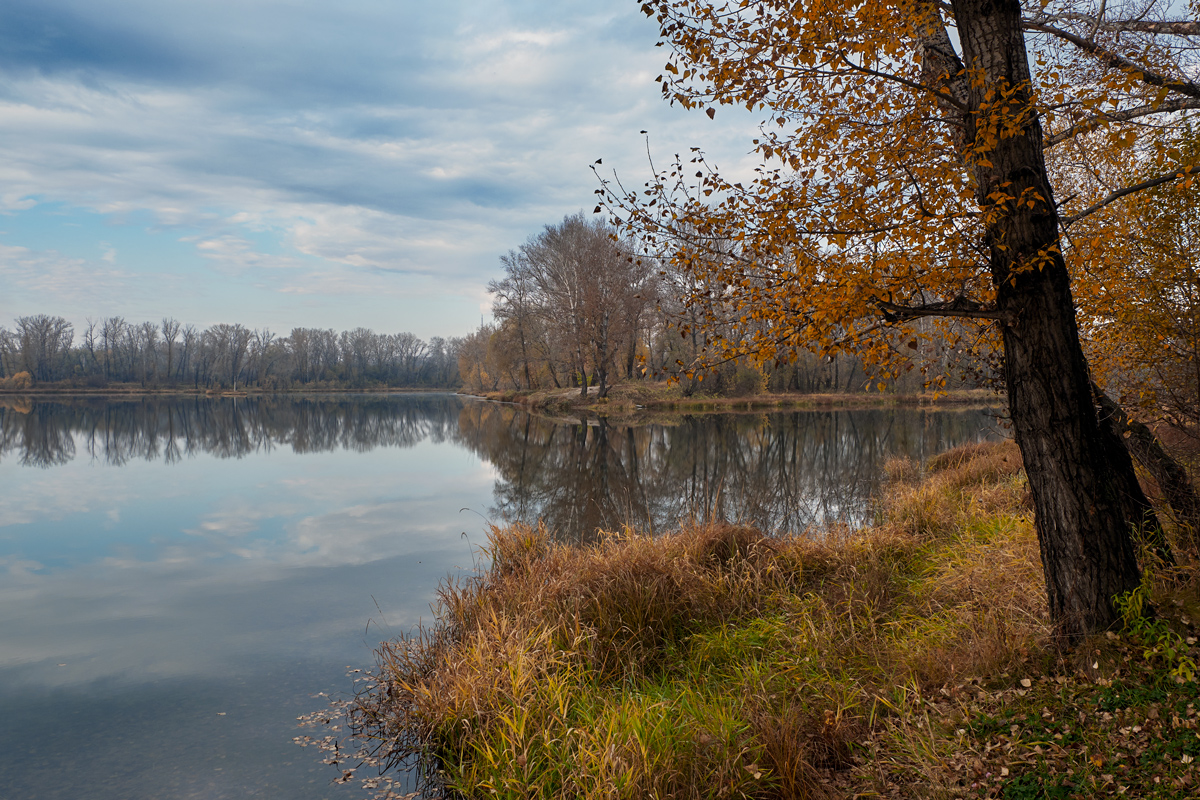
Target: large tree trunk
{"x":1081,"y":487}
{"x":525,"y":355}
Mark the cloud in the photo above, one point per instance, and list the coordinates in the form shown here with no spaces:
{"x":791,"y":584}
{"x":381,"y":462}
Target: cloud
{"x":233,"y":253}
{"x":421,"y":140}
{"x":284,"y":564}
{"x":51,"y":274}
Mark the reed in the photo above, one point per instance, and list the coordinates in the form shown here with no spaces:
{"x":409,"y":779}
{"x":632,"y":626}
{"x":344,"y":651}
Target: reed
{"x":717,"y":662}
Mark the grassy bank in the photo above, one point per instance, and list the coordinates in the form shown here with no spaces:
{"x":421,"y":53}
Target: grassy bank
{"x":910,"y":660}
{"x":628,"y":398}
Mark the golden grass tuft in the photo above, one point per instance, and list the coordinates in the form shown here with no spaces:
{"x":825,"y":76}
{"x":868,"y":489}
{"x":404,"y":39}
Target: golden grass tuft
{"x":717,"y":662}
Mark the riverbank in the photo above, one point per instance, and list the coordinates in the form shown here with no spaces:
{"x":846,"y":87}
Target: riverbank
{"x":913,"y":659}
{"x":630,"y":398}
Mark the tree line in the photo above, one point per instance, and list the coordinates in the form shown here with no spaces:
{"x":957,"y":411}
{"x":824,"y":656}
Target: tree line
{"x":44,"y":349}
{"x":579,"y":306}
{"x":115,"y":431}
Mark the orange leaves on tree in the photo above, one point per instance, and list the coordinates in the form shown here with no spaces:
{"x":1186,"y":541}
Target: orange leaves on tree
{"x":872,"y":188}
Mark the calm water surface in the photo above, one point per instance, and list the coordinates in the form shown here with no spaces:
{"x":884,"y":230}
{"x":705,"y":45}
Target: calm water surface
{"x":179,"y":578}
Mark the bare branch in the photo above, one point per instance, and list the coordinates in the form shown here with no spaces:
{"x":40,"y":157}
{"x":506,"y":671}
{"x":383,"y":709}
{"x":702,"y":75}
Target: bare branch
{"x":1099,"y":19}
{"x":1165,"y":107}
{"x":1118,"y":61}
{"x":1098,"y":23}
{"x":1174,"y":175}
{"x":1176,"y":28}
{"x":944,"y":95}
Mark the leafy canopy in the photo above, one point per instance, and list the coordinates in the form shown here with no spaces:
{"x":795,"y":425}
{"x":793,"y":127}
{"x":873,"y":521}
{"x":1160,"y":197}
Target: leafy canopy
{"x":864,"y":209}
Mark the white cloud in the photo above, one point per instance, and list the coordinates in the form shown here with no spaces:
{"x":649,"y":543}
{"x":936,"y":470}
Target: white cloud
{"x":377,"y":138}
{"x":51,"y":274}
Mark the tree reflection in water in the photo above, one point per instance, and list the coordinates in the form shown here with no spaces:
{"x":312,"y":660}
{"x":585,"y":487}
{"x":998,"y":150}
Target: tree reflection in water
{"x":117,"y":430}
{"x":778,"y":471}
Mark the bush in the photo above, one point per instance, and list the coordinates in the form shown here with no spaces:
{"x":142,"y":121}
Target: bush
{"x":18,"y":382}
{"x":748,"y":381}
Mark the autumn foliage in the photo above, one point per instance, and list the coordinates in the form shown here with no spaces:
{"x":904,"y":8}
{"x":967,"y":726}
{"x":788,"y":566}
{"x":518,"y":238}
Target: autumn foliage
{"x":865,"y":194}
{"x":924,"y":170}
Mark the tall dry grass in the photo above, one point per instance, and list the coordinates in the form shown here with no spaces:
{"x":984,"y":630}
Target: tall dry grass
{"x":718,"y":662}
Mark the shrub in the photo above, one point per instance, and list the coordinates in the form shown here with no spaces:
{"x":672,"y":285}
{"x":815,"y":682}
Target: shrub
{"x":18,"y":382}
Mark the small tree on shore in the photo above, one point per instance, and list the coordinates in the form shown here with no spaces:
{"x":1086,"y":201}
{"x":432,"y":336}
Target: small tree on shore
{"x":577,"y":286}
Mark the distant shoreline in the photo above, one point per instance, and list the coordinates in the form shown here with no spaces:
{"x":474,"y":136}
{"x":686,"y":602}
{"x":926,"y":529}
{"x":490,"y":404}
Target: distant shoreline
{"x":626,"y":399}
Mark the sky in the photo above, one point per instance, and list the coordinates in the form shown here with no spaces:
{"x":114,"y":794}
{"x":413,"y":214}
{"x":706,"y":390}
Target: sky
{"x":314,"y":164}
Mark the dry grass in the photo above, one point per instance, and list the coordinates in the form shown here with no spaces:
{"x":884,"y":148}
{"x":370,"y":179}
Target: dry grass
{"x":718,"y":662}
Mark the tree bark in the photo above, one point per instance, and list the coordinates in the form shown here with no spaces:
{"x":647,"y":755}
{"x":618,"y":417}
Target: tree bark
{"x":1080,"y":487}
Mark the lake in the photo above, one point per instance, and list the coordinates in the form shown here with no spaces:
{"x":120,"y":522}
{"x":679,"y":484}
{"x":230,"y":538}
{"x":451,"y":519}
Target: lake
{"x":180,"y":578}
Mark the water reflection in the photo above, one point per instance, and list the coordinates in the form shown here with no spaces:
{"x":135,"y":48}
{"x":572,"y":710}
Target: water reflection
{"x":779,"y":471}
{"x":179,"y":575}
{"x":46,"y":434}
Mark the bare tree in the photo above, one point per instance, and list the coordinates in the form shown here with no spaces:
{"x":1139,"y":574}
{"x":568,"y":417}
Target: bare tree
{"x":148,"y":339}
{"x":170,"y":332}
{"x":230,"y":344}
{"x":516,"y":304}
{"x":44,"y":343}
{"x":111,"y":333}
{"x":576,"y":288}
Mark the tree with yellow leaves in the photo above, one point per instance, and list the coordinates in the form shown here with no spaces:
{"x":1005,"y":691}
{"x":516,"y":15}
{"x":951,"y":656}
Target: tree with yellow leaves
{"x":909,"y":159}
{"x":1140,"y":295}
{"x":1139,"y":299}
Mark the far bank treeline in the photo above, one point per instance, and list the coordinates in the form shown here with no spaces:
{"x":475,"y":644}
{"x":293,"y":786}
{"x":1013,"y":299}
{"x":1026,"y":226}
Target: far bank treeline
{"x":575,"y":308}
{"x":46,"y":350}
{"x":578,"y":308}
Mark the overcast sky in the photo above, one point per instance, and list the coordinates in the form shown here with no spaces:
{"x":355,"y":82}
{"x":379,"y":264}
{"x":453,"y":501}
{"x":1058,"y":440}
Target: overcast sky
{"x":322,"y":164}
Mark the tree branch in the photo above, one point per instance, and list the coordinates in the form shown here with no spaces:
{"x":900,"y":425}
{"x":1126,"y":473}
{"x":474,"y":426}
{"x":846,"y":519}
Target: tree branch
{"x":1171,"y":28}
{"x":1118,"y":61}
{"x":945,"y":96}
{"x":1165,"y":107}
{"x":1168,"y":27}
{"x":943,"y":73}
{"x":1179,"y":174}
{"x":1171,"y":476}
{"x":958,"y":307}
